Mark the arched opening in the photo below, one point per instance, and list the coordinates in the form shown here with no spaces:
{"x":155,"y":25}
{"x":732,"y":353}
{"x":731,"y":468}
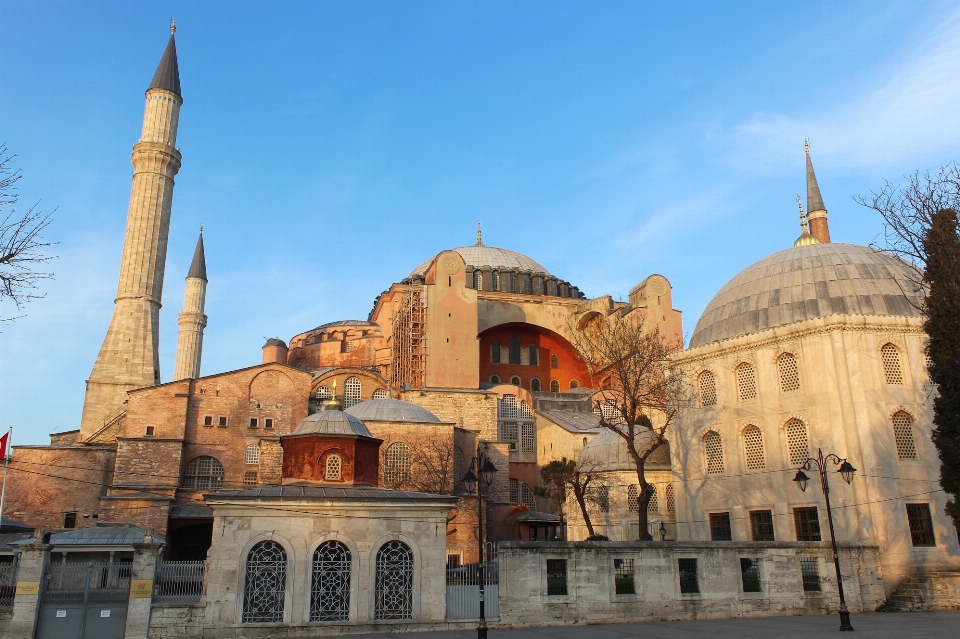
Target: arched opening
{"x":264,"y":587}
{"x":393,"y":597}
{"x":330,"y":592}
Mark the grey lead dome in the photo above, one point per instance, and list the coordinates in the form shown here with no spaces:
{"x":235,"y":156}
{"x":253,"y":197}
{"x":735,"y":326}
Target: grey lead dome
{"x":391,"y":410}
{"x":808,"y":282}
{"x":490,"y":257}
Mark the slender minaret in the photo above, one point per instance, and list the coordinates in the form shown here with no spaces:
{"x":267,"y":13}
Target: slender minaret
{"x":129,"y":356}
{"x":816,"y":212}
{"x":192,"y":320}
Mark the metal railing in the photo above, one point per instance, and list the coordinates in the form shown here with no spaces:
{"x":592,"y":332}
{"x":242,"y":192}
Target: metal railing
{"x":8,"y":582}
{"x":86,"y":582}
{"x":179,"y":581}
{"x":463,"y":591}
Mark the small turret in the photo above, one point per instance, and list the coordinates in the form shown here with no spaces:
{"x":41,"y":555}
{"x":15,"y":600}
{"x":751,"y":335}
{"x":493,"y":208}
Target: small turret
{"x":275,"y":351}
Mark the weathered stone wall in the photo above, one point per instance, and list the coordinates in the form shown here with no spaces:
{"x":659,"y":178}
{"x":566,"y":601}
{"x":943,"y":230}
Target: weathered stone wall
{"x":927,"y":591}
{"x":469,"y":409}
{"x":591,"y":595}
{"x":176,"y":620}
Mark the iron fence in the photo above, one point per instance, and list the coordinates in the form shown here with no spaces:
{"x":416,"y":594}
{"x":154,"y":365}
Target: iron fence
{"x":78,"y":583}
{"x":8,"y":581}
{"x":179,"y":581}
{"x":463,"y":591}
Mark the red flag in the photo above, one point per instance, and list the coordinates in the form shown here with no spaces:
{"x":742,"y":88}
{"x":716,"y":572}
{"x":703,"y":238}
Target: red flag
{"x":3,"y":445}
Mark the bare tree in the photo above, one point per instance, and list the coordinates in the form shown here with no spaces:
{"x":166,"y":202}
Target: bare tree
{"x":21,"y":240}
{"x":431,"y":469}
{"x":560,"y":476}
{"x":643,"y":388}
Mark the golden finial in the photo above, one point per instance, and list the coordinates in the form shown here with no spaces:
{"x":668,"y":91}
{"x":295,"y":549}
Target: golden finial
{"x":334,"y":388}
{"x":173,"y":25}
{"x":805,"y":238}
{"x":479,"y":235}
{"x":803,"y":218}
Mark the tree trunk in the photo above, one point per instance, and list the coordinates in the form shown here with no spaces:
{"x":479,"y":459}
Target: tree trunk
{"x":583,"y":510}
{"x":643,"y":501}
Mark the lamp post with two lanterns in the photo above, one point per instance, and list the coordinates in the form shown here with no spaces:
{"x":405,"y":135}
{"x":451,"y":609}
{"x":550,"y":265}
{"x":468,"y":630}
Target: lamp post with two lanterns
{"x":486,"y":470}
{"x":846,"y":471}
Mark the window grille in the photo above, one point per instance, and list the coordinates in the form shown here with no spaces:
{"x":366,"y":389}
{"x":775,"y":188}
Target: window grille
{"x":653,"y":506}
{"x":713,"y":446}
{"x":810,"y":574}
{"x":807,"y":521}
{"x":495,"y":353}
{"x":515,"y":380}
{"x":603,"y":498}
{"x":528,"y":438}
{"x":633,"y":498}
{"x":348,"y":346}
{"x":265,"y":584}
{"x":527,"y":497}
{"x":789,"y":373}
{"x":203,"y":473}
{"x":250,"y":478}
{"x":797,"y":446}
{"x":330,"y":593}
{"x":457,"y":466}
{"x":689,"y":583}
{"x":514,"y":350}
{"x":351,"y":392}
{"x":334,"y":466}
{"x":322,"y":392}
{"x":252,"y":455}
{"x":380,"y":394}
{"x":574,"y":384}
{"x":396,"y":464}
{"x":554,"y":386}
{"x":525,"y":412}
{"x":746,"y":382}
{"x":921,"y":525}
{"x":753,"y":448}
{"x":394,"y":582}
{"x":761,"y":525}
{"x":534,"y":355}
{"x":708,"y":388}
{"x":513,"y":283}
{"x":623,"y":577}
{"x":750,"y":574}
{"x":494,"y":379}
{"x":554,"y":361}
{"x":720,"y":527}
{"x":556,"y":577}
{"x":609,"y":410}
{"x":477,"y":280}
{"x":509,"y":432}
{"x":891,"y":364}
{"x":903,"y":435}
{"x":496,"y":281}
{"x":671,"y":504}
{"x":514,"y":491}
{"x":507,"y":407}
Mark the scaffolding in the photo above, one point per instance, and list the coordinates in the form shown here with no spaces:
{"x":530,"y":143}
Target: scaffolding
{"x":408,"y":343}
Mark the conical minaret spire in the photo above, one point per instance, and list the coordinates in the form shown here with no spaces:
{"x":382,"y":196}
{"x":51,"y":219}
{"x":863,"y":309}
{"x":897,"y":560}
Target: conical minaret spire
{"x":192,"y":321}
{"x":816,"y":211}
{"x":129,"y":357}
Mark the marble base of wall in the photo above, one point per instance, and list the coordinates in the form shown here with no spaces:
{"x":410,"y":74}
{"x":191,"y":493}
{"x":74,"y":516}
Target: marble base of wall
{"x":926,"y":591}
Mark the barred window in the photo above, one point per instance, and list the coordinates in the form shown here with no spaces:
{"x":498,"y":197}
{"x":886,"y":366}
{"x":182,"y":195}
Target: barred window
{"x":713,"y":446}
{"x":789,"y":373}
{"x":513,"y":283}
{"x":496,"y":282}
{"x":509,"y":431}
{"x":322,"y":392}
{"x":525,"y":412}
{"x":477,"y":280}
{"x":203,"y":473}
{"x":514,"y":495}
{"x":891,"y":364}
{"x":746,"y":382}
{"x":671,"y":504}
{"x":609,"y":411}
{"x":554,"y":361}
{"x":903,"y":435}
{"x":921,"y":525}
{"x":265,"y":583}
{"x":720,"y":527}
{"x":250,"y":478}
{"x":507,"y":407}
{"x":633,"y":498}
{"x":351,"y":392}
{"x":394,"y":582}
{"x":252,"y":455}
{"x":334,"y":466}
{"x":797,"y":446}
{"x":810,"y":574}
{"x":753,"y":448}
{"x":396,"y":464}
{"x":526,"y":496}
{"x":653,"y":506}
{"x":750,"y":574}
{"x":556,"y":577}
{"x":380,"y":394}
{"x":554,"y":386}
{"x":708,"y":388}
{"x":330,"y":591}
{"x":603,"y":497}
{"x":495,"y":353}
{"x":807,"y":522}
{"x":761,"y":525}
{"x":528,"y":438}
{"x":623,"y":577}
{"x":689,"y":583}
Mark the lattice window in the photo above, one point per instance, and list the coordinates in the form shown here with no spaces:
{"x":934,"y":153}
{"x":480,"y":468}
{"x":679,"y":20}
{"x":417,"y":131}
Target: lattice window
{"x":396,"y":464}
{"x":789,"y":373}
{"x":334,"y":468}
{"x":478,"y":280}
{"x":323,"y":393}
{"x":203,"y":473}
{"x":653,"y":506}
{"x":351,"y":392}
{"x":797,"y":446}
{"x":250,"y":478}
{"x":252,"y":454}
{"x":380,"y":394}
{"x":265,"y":584}
{"x":330,"y":592}
{"x":633,"y":498}
{"x":603,"y":498}
{"x":671,"y":503}
{"x":526,"y":496}
{"x":394,"y":582}
{"x":507,"y":407}
{"x":713,"y":446}
{"x":903,"y":435}
{"x":513,"y":283}
{"x":554,"y":361}
{"x":554,"y":386}
{"x":528,"y":438}
{"x":921,"y":525}
{"x":891,"y":364}
{"x":708,"y":388}
{"x":496,"y":281}
{"x":514,"y":491}
{"x":753,"y":448}
{"x":609,"y":410}
{"x":525,"y":412}
{"x":509,"y":431}
{"x":810,"y":574}
{"x":746,"y":382}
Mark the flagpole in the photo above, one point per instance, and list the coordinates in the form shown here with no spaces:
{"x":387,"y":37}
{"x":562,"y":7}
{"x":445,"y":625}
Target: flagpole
{"x":6,"y":463}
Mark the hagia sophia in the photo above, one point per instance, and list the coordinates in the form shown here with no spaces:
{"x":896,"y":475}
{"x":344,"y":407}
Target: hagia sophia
{"x":818,"y":346}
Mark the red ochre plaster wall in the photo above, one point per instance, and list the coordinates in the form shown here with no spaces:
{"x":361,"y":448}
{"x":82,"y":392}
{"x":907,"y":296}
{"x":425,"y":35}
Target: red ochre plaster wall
{"x":549,"y":343}
{"x":304,"y":458}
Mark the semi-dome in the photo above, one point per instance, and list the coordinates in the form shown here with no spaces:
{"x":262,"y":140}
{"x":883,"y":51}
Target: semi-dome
{"x":480,"y":256}
{"x":607,"y":452}
{"x":331,"y":422}
{"x":807,"y":282}
{"x":391,"y":410}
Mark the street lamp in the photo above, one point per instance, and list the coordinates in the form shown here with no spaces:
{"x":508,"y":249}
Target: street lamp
{"x":846,"y":471}
{"x":486,"y":470}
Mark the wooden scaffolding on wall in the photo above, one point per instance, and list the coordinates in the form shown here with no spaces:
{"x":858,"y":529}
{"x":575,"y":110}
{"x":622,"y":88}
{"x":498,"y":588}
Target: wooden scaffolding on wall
{"x":408,"y":341}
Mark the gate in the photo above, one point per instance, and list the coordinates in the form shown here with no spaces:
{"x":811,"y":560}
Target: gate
{"x":463,"y":591}
{"x":84,"y":601}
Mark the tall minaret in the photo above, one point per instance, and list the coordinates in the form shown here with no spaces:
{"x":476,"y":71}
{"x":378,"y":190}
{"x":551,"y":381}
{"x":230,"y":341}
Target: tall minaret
{"x":192,"y":320}
{"x":816,"y":212}
{"x":129,"y":356}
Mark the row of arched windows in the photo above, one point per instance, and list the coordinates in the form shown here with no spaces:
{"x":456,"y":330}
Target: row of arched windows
{"x":535,"y":384}
{"x":265,"y":582}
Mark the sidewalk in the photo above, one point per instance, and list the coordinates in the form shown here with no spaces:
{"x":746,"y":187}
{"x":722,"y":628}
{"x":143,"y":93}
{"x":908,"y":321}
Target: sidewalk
{"x":879,"y":625}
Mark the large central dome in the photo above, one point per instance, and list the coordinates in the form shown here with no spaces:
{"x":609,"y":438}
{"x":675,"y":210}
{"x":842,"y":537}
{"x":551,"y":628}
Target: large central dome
{"x":480,"y":257}
{"x":808,"y":282}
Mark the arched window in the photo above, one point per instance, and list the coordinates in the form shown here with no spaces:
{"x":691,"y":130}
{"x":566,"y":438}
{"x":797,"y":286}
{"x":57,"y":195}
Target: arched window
{"x":713,"y":446}
{"x":534,"y":355}
{"x":494,"y":379}
{"x":554,"y":361}
{"x":797,"y":447}
{"x":495,"y":353}
{"x":351,"y":392}
{"x":334,"y":468}
{"x":380,"y":394}
{"x":554,"y":386}
{"x":507,"y":407}
{"x":891,"y":364}
{"x":633,"y":498}
{"x":322,"y":392}
{"x":746,"y":382}
{"x":496,"y":281}
{"x":513,"y":283}
{"x":653,"y":506}
{"x":753,"y":448}
{"x":394,"y":582}
{"x":671,"y":504}
{"x":265,"y":583}
{"x":330,"y":593}
{"x":903,"y":435}
{"x":457,"y":465}
{"x":584,"y":442}
{"x":526,"y":496}
{"x":574,"y":384}
{"x":524,"y":410}
{"x":514,"y":350}
{"x":708,"y":388}
{"x":396,"y":464}
{"x":789,"y":372}
{"x":535,"y":385}
{"x":203,"y":473}
{"x":477,"y":280}
{"x":515,"y":380}
{"x":252,"y":455}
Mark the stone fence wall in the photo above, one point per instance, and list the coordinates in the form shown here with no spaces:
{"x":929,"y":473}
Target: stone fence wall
{"x":560,"y":583}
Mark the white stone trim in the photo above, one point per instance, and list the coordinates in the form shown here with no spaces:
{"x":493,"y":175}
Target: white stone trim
{"x":292,"y":563}
{"x":354,"y":578}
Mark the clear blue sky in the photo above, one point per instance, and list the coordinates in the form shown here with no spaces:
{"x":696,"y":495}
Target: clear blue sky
{"x":330,"y":147}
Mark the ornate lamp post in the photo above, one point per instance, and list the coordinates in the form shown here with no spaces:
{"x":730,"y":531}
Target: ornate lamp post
{"x":486,"y":470}
{"x":846,"y":471}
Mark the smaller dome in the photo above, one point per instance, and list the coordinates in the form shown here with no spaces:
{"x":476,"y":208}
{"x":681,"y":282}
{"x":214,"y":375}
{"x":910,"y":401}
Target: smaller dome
{"x":274,"y":341}
{"x":391,"y":410}
{"x":331,"y":422}
{"x":608,"y":452}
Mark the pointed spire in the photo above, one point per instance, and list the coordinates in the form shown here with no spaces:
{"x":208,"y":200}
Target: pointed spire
{"x":168,"y":73}
{"x":479,"y":235}
{"x":814,"y":200}
{"x":198,"y":267}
